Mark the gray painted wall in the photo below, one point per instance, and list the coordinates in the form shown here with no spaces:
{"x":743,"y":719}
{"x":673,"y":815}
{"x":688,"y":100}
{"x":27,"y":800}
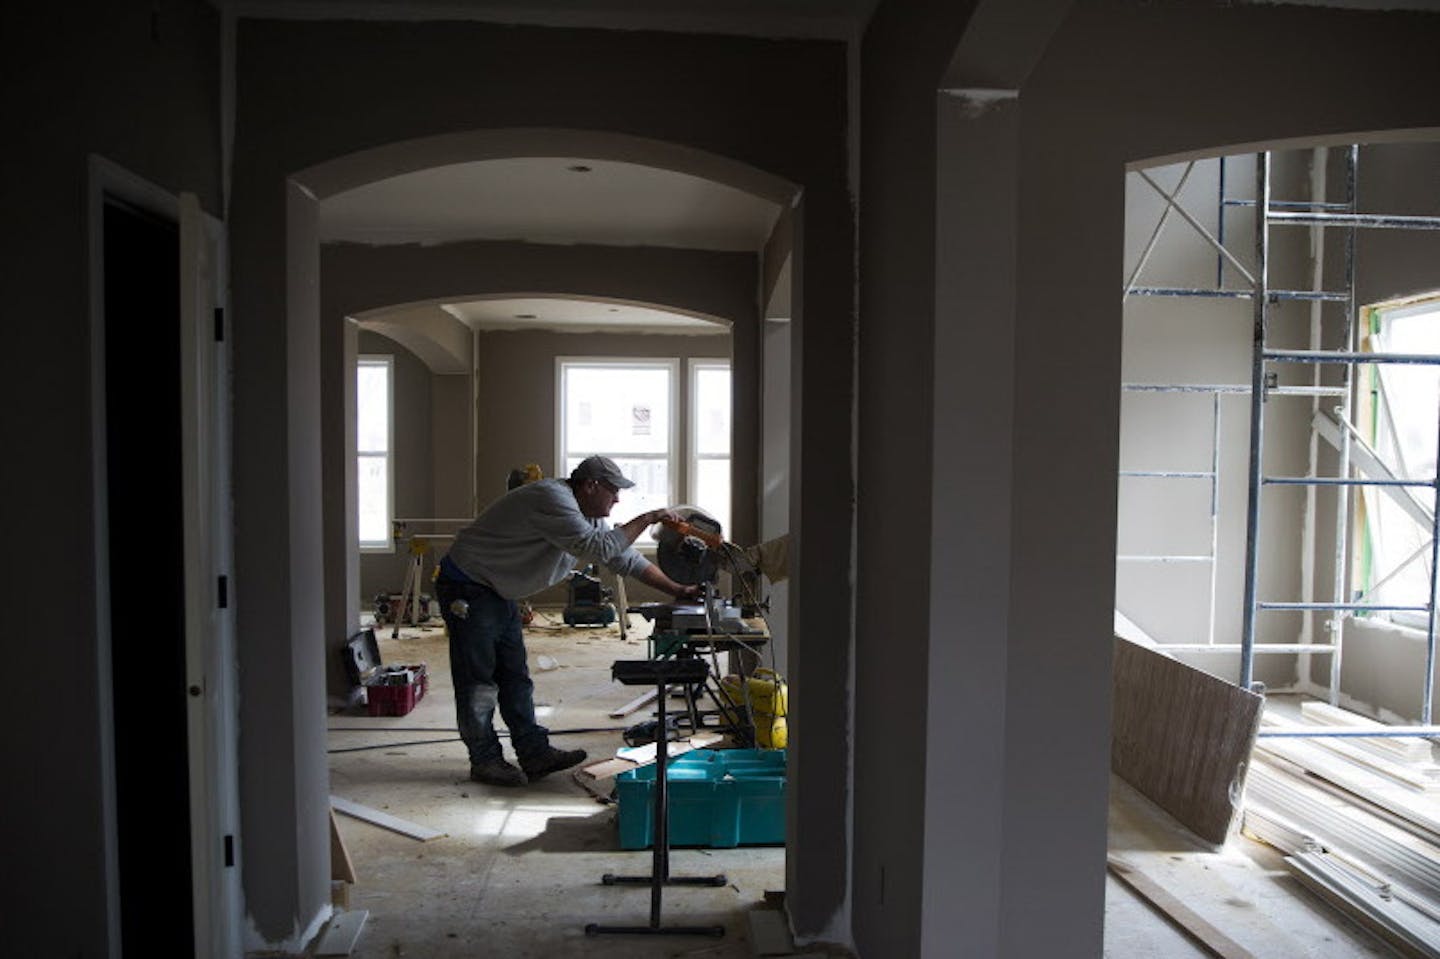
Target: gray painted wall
{"x":904,"y":53}
{"x":775,"y":470}
{"x":451,"y":414}
{"x":137,"y":84}
{"x":1022,"y":425}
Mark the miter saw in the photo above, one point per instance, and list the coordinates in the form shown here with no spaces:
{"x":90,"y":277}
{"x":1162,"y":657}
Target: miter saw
{"x":692,"y":552}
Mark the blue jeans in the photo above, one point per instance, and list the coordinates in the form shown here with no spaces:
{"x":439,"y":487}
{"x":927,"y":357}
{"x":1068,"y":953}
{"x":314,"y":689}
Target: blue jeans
{"x":488,"y":667}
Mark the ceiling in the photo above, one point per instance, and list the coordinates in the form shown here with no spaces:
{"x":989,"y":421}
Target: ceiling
{"x":557,"y":200}
{"x":832,"y":19}
{"x":575,"y":316}
{"x":551,"y":200}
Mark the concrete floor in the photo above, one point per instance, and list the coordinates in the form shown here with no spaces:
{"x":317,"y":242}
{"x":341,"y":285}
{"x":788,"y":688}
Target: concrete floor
{"x":517,"y":873}
{"x":1242,"y":889}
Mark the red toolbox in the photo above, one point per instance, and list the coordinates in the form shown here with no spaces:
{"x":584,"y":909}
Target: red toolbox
{"x":389,"y":690}
{"x":394,"y":690}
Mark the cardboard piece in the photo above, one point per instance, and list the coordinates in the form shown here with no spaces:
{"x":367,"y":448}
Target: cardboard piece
{"x":628,"y":758}
{"x":1182,"y":737}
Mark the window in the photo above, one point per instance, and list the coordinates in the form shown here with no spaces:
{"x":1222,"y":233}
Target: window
{"x":710,"y":439}
{"x":374,"y":409}
{"x":623,"y":409}
{"x":1396,"y":415}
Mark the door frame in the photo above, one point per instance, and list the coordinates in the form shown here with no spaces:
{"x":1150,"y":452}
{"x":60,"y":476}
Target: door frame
{"x":211,"y":676}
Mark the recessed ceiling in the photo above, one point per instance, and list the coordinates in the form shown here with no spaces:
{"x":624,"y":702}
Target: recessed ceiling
{"x":550,"y":200}
{"x":571,"y":315}
{"x":832,"y":19}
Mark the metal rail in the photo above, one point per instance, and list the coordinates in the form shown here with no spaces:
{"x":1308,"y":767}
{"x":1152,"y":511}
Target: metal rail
{"x":1324,"y":296}
{"x":1370,"y":221}
{"x":1260,"y":317}
{"x":1327,"y":215}
{"x":1389,"y":732}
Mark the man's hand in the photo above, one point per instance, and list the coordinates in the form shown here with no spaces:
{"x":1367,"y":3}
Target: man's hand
{"x":652,"y":576}
{"x":689,"y":593}
{"x":644,"y":521}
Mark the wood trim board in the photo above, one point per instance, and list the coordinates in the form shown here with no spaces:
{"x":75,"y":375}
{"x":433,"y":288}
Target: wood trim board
{"x":1187,"y":919}
{"x":384,"y":820}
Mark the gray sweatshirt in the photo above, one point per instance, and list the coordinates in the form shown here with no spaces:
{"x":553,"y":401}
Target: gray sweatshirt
{"x":531,"y":537}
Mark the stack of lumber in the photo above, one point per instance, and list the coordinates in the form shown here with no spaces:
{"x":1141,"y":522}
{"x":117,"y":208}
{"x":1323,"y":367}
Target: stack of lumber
{"x":1358,"y":821}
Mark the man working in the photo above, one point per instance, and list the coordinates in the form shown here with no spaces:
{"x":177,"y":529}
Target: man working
{"x":527,"y":540}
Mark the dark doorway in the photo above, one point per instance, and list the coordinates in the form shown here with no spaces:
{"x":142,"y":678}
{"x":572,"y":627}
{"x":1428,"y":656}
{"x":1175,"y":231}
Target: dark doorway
{"x":147,"y":580}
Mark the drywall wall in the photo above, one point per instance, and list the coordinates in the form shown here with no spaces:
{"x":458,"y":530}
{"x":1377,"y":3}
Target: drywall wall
{"x":897,"y":310}
{"x":339,"y":345}
{"x":279,"y":555}
{"x":775,"y":469}
{"x":322,"y":98}
{"x":452,"y":419}
{"x":1404,"y":179}
{"x":1382,"y":672}
{"x":1207,"y":341}
{"x":137,"y":84}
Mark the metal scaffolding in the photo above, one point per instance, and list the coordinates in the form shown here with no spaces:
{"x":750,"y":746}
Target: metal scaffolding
{"x":1266,"y":360}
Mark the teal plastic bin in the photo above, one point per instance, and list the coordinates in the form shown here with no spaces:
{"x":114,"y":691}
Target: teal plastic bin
{"x":717,"y":797}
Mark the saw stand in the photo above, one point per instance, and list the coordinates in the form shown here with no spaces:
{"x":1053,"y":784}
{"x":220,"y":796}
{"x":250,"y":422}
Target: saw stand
{"x":414,"y":578}
{"x":661,"y":673}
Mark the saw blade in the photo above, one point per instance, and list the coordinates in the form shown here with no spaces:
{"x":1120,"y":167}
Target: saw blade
{"x":686,"y":559}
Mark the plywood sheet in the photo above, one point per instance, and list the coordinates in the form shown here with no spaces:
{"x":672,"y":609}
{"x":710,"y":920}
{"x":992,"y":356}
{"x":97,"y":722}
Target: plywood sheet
{"x":1182,"y":737}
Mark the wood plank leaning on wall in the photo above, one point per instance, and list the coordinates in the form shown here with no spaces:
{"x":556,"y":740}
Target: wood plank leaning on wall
{"x":1182,"y":737}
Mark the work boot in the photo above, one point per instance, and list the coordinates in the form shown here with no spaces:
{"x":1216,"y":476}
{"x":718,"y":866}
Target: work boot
{"x":550,"y":761}
{"x":496,"y":772}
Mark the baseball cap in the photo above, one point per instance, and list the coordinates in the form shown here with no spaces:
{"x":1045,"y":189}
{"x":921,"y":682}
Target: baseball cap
{"x":601,"y":468}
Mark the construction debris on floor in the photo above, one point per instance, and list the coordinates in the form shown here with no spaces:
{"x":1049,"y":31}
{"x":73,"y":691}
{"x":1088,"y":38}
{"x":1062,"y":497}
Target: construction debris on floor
{"x":1358,"y":822}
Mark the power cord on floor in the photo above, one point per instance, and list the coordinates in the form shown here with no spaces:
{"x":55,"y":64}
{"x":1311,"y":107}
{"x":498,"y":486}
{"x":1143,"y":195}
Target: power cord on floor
{"x":504,"y":733}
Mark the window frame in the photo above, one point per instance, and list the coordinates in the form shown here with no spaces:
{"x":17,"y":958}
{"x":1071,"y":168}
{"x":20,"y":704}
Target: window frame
{"x":387,"y":360}
{"x":1363,"y":553}
{"x":693,"y":455}
{"x":672,"y":456}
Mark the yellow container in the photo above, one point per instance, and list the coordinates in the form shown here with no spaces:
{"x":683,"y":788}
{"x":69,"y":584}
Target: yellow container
{"x":766,"y":695}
